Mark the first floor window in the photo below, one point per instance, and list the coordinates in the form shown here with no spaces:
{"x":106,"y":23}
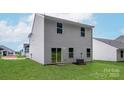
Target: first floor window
{"x":27,"y":50}
{"x":71,"y":52}
{"x":88,"y":52}
{"x":121,"y":54}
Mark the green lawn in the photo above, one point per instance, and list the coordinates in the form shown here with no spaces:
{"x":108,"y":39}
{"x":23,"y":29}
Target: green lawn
{"x":19,"y":56}
{"x":29,"y":70}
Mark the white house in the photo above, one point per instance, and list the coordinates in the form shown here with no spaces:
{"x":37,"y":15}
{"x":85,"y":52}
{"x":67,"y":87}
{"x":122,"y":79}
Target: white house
{"x":5,"y":51}
{"x":106,"y":49}
{"x":55,"y":40}
{"x":25,"y":50}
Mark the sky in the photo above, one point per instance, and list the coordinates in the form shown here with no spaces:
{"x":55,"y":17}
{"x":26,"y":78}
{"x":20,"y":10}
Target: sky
{"x":15,"y":27}
{"x":109,"y":25}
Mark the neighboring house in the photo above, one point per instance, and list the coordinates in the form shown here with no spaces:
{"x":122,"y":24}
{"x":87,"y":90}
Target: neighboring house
{"x":106,"y":49}
{"x":5,"y":51}
{"x":55,"y":40}
{"x":25,"y":50}
{"x":120,"y":38}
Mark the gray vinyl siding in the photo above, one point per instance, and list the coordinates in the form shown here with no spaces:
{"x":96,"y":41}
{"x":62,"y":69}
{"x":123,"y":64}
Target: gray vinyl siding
{"x":37,"y":40}
{"x":103,"y":51}
{"x":70,"y":38}
{"x":119,"y":55}
{"x":44,"y":37}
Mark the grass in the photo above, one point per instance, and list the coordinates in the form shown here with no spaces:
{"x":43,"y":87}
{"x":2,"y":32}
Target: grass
{"x":29,"y":70}
{"x":19,"y":56}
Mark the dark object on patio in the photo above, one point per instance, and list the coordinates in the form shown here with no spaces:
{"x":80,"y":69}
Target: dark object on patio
{"x":80,"y":61}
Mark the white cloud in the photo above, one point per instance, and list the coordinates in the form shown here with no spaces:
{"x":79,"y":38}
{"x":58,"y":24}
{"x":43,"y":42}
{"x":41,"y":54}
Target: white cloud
{"x":17,"y":33}
{"x":30,"y":18}
{"x":122,"y":30}
{"x":78,"y":17}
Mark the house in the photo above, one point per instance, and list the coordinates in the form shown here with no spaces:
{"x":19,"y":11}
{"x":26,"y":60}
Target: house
{"x":25,"y":50}
{"x":106,"y":49}
{"x":55,"y":40}
{"x":120,"y":38}
{"x":5,"y":51}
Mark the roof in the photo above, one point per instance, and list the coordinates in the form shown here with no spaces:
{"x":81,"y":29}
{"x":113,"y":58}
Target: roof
{"x":113,"y":43}
{"x":120,"y":38}
{"x":6,"y":48}
{"x":67,"y":21}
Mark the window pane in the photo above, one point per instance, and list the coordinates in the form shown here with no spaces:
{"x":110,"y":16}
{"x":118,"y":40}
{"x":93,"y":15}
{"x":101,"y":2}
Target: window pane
{"x":70,"y":55}
{"x":59,"y":25}
{"x":88,"y":52}
{"x":53,"y":54}
{"x":59,"y":30}
{"x":70,"y":49}
{"x":121,"y":54}
{"x":58,"y":54}
{"x":71,"y":52}
{"x":82,"y":31}
{"x":26,"y":50}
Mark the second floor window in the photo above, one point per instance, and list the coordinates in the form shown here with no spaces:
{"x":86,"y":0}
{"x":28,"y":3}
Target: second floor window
{"x":82,"y":31}
{"x":59,"y":28}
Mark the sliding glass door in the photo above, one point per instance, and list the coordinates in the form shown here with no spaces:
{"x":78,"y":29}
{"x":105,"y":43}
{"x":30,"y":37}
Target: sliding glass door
{"x":56,"y":55}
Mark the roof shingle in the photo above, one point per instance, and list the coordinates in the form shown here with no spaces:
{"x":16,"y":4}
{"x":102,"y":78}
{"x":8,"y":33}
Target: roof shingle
{"x":114,"y":43}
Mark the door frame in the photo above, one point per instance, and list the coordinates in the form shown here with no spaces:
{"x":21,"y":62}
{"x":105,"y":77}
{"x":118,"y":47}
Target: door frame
{"x":56,"y":55}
